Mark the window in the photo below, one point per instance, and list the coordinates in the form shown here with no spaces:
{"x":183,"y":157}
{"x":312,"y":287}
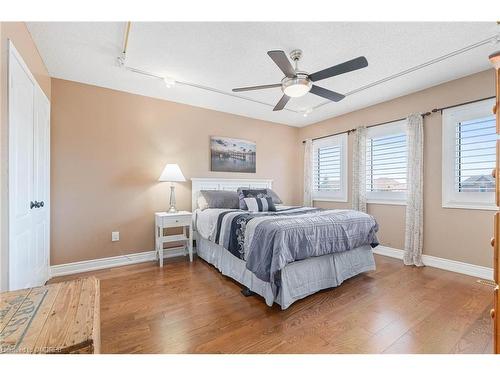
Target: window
{"x":469,"y":143}
{"x":329,"y":171}
{"x":386,"y":163}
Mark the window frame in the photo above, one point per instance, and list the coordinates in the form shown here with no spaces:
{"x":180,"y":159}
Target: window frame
{"x":387,"y":197}
{"x":450,"y":197}
{"x":340,"y":196}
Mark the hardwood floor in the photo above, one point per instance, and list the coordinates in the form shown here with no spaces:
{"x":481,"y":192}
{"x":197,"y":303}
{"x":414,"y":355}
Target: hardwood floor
{"x":191,"y":308}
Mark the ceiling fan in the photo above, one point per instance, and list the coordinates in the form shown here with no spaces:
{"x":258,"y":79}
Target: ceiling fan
{"x":297,"y":83}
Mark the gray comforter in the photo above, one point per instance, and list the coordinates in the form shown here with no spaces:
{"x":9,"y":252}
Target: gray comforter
{"x":268,"y":242}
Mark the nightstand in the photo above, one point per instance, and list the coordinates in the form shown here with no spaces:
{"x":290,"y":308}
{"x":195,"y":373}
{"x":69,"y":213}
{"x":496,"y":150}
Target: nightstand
{"x":165,"y":220}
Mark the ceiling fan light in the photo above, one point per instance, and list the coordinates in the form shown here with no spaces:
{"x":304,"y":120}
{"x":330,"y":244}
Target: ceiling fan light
{"x":297,"y":86}
{"x":295,"y":91}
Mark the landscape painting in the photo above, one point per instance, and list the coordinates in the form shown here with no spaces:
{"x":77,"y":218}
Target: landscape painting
{"x":232,"y":155}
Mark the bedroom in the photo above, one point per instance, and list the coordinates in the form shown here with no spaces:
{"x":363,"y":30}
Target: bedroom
{"x":345,"y":207}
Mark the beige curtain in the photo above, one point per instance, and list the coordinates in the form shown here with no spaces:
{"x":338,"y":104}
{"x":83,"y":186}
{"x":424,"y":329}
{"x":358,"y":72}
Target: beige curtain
{"x":359,"y":170}
{"x":414,"y":231}
{"x":308,"y":151}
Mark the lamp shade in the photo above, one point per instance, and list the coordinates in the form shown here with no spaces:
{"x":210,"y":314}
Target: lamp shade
{"x":172,"y":173}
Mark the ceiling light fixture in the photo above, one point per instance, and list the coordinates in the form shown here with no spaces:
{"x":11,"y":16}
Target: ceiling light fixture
{"x":296,"y":87}
{"x":169,"y":81}
{"x":306,"y":112}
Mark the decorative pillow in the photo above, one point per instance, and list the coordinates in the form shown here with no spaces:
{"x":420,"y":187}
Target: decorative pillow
{"x":218,"y":199}
{"x":260,"y":204}
{"x":249,"y":193}
{"x":202,"y":203}
{"x":276,"y":199}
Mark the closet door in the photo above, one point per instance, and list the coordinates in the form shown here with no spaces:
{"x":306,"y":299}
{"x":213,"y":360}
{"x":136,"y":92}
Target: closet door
{"x":22,"y":257}
{"x":41,"y":186}
{"x":29,"y":150}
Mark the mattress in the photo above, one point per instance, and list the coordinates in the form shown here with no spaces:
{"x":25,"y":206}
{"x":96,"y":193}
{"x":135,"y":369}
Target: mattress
{"x":205,"y":221}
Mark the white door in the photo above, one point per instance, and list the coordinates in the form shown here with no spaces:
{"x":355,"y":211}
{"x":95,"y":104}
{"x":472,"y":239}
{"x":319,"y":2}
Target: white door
{"x":28,"y":228}
{"x":41,"y":187}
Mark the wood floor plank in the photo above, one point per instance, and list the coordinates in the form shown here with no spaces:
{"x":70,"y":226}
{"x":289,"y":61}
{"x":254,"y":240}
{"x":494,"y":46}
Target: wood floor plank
{"x":476,"y":339}
{"x":457,"y":312}
{"x":192,"y":308}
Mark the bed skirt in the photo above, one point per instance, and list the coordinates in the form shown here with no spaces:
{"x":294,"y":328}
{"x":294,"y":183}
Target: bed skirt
{"x":298,"y":279}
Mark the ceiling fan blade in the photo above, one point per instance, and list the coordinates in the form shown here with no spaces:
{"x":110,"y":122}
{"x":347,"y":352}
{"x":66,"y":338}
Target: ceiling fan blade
{"x":261,"y":87}
{"x":327,"y":94}
{"x":282,"y":103}
{"x":280,"y":59}
{"x":348,"y":66}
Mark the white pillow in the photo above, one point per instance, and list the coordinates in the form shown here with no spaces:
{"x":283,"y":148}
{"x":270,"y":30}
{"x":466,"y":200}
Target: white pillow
{"x":202,"y":202}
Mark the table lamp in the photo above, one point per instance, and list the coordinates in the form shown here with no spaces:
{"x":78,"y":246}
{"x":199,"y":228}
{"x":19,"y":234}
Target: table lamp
{"x":172,"y":173}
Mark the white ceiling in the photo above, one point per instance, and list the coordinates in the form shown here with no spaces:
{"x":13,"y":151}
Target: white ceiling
{"x":225,"y":55}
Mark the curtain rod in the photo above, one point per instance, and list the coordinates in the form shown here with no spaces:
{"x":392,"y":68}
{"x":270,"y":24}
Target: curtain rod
{"x":369,"y":126}
{"x":435,"y":110}
{"x":464,"y":103}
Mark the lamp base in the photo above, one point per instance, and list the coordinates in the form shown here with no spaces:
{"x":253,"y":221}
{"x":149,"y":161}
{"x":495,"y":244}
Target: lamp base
{"x":172,"y":209}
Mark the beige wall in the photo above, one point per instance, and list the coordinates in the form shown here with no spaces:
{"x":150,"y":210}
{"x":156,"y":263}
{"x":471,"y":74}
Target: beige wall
{"x":108,"y":149}
{"x":18,"y":33}
{"x":457,"y":234}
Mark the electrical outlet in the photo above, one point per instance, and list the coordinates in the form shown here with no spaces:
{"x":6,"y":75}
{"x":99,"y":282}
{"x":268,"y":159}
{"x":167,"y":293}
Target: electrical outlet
{"x":115,"y":236}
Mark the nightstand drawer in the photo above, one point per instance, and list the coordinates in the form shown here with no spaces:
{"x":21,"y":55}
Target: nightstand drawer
{"x":175,"y":221}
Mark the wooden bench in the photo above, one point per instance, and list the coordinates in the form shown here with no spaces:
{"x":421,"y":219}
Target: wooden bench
{"x":56,"y":318}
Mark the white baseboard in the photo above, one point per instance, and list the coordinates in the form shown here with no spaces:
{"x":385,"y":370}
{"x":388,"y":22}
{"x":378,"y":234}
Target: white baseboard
{"x":147,"y":256}
{"x":388,"y":251}
{"x":102,"y":263}
{"x":445,"y":264}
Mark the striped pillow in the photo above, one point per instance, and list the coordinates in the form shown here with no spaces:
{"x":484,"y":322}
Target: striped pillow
{"x":260,"y":204}
{"x":250,"y":193}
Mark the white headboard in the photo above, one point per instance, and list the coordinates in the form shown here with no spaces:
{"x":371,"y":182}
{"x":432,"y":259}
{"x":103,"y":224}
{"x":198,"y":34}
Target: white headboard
{"x":224,"y":184}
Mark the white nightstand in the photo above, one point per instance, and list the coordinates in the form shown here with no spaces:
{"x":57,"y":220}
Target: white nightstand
{"x":167,"y":220}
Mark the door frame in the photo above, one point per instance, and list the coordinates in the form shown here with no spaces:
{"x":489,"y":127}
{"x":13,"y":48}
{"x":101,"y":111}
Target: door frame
{"x":6,"y":256}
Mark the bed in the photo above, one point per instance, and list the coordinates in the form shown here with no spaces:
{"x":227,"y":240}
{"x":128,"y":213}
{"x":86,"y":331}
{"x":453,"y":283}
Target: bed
{"x":273,"y":271}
